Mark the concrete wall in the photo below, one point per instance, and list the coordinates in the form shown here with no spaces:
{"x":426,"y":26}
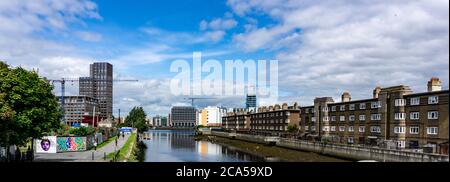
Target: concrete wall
{"x":343,"y":151}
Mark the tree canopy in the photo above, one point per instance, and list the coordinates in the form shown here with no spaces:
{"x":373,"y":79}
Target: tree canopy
{"x":28,"y":108}
{"x":136,"y":119}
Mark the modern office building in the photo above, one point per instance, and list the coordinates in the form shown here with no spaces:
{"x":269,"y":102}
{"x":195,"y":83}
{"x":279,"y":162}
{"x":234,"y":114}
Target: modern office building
{"x":211,"y":116}
{"x":159,"y":121}
{"x":183,"y":116}
{"x":99,"y":85}
{"x":250,"y":101}
{"x":394,"y":117}
{"x":80,"y":109}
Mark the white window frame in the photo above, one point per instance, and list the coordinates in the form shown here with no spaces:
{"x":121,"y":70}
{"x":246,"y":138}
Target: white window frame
{"x":414,"y":130}
{"x":362,"y":117}
{"x":433,"y":115}
{"x":399,"y":129}
{"x":401,"y":144}
{"x":432,"y":130}
{"x":306,"y":128}
{"x":333,"y":108}
{"x":433,"y":99}
{"x":342,"y":128}
{"x":375,"y":117}
{"x":375,"y":105}
{"x":326,"y":118}
{"x":333,"y":128}
{"x":351,"y":118}
{"x":414,"y":101}
{"x":362,"y":106}
{"x":313,"y":119}
{"x":362,"y":129}
{"x":351,"y":107}
{"x":313,"y":128}
{"x":399,"y":102}
{"x":375,"y":129}
{"x":414,"y":115}
{"x":341,"y":118}
{"x":333,"y":118}
{"x":400,"y":116}
{"x":326,"y":128}
{"x":342,"y":108}
{"x":351,"y":129}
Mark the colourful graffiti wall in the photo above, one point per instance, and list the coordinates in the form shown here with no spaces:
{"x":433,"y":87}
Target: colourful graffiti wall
{"x":69,"y":144}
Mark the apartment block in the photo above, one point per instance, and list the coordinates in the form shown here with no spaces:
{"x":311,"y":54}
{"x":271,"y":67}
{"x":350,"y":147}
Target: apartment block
{"x":99,"y":85}
{"x":274,"y":119}
{"x":394,"y":117}
{"x":238,"y":120}
{"x":80,"y":109}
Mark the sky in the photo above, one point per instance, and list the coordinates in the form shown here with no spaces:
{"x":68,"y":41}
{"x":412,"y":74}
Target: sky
{"x":323,"y":47}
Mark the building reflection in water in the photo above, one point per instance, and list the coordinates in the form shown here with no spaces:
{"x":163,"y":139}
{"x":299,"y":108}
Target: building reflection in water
{"x":180,"y":146}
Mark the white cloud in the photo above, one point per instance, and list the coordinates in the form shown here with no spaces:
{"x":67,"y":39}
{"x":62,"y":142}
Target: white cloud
{"x":325,"y":47}
{"x":218,"y":24}
{"x":89,"y":36}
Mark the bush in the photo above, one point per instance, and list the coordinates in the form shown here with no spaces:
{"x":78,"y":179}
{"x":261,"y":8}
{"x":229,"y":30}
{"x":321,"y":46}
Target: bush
{"x":82,"y":131}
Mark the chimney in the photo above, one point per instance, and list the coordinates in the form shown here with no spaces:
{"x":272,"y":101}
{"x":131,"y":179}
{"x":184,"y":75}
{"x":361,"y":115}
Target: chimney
{"x":376,"y":91}
{"x":434,"y":84}
{"x":346,"y":97}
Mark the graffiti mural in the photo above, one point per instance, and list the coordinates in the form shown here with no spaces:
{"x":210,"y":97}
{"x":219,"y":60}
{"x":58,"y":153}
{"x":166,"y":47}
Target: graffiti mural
{"x":69,"y":144}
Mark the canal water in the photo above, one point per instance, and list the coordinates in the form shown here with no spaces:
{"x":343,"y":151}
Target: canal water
{"x":180,"y":146}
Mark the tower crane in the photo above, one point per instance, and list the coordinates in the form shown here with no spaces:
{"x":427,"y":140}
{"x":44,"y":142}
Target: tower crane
{"x":63,"y":86}
{"x":196,"y":98}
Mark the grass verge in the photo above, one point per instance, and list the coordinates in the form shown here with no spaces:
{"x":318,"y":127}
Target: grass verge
{"x":127,"y":147}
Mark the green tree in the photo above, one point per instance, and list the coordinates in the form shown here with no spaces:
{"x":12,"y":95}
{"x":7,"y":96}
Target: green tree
{"x":136,"y":119}
{"x":292,"y":128}
{"x":82,"y":131}
{"x":27,"y":105}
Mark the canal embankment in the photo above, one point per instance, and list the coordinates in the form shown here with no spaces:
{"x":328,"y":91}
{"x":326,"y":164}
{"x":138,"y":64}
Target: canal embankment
{"x":337,"y":150}
{"x":270,"y":152}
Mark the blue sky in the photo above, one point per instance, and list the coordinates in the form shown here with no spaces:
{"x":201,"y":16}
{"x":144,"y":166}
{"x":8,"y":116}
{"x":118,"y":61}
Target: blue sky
{"x":323,"y":47}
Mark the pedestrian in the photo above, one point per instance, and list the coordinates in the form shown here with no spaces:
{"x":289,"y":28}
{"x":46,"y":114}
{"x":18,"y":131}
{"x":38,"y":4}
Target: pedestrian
{"x":116,"y":141}
{"x":95,"y":145}
{"x":123,"y":135}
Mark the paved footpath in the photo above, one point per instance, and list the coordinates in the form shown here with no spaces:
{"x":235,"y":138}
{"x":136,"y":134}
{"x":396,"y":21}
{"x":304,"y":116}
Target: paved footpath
{"x":85,"y":156}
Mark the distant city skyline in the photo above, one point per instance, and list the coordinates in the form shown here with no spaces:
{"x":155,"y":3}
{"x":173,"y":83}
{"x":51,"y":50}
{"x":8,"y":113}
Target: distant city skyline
{"x":323,"y":47}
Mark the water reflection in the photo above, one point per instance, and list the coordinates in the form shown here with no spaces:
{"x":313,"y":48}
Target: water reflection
{"x":180,"y":146}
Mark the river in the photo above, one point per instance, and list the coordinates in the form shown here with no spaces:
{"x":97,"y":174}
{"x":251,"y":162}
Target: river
{"x":181,"y":146}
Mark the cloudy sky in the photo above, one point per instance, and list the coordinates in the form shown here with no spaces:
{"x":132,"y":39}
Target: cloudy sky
{"x":323,"y":47}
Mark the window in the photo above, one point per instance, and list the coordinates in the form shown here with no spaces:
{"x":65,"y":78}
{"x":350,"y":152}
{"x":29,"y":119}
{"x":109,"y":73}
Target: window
{"x":375,"y":129}
{"x":414,"y":101}
{"x":306,"y":128}
{"x":375,"y":117}
{"x":313,"y":128}
{"x":362,"y":117}
{"x":399,"y":129}
{"x":326,"y":128}
{"x":350,"y":129}
{"x":306,"y":110}
{"x":352,"y":107}
{"x":325,"y":118}
{"x":414,"y":130}
{"x":375,"y":104}
{"x":341,"y":118}
{"x":313,"y":119}
{"x":325,"y":109}
{"x":400,"y":102}
{"x":342,"y":108}
{"x":433,"y":99}
{"x":351,"y":118}
{"x":333,"y":128}
{"x":333,"y":118}
{"x":433,"y":115}
{"x":414,"y":115}
{"x":333,"y":108}
{"x":350,"y":140}
{"x":362,"y":129}
{"x":341,"y":128}
{"x":362,"y":106}
{"x":400,"y":116}
{"x":432,"y":130}
{"x":401,"y":144}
